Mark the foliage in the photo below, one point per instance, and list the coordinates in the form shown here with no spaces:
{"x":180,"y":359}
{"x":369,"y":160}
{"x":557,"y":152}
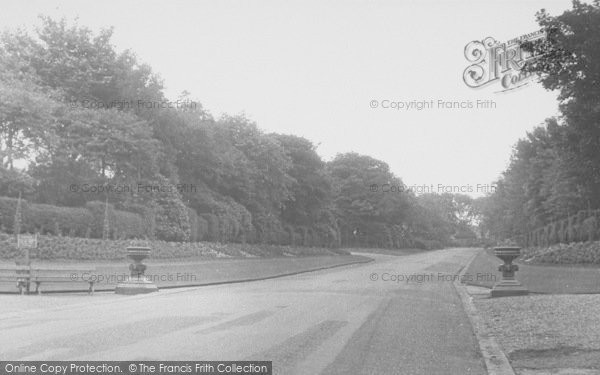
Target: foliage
{"x":572,"y":253}
{"x":70,"y":221}
{"x":69,"y":112}
{"x":554,"y":171}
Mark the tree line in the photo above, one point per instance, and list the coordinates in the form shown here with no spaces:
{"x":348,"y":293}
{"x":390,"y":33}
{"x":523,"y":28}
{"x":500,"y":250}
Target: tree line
{"x":249,"y":185}
{"x":551,"y":190}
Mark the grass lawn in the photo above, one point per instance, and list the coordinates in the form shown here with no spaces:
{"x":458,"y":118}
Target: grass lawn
{"x":394,"y":252}
{"x":538,"y":279}
{"x":179,"y":272}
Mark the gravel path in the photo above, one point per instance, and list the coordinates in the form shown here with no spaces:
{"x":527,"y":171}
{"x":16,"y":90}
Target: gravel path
{"x":545,"y":330}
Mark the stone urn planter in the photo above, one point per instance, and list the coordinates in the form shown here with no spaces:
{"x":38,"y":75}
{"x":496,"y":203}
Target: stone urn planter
{"x":137,"y":283}
{"x":508,"y":286}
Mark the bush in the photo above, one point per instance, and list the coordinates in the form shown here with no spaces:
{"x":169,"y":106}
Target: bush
{"x":202,"y":228}
{"x":45,"y":218}
{"x":8,"y":207}
{"x":172,"y":221}
{"x":71,"y":221}
{"x":212,"y":226}
{"x":121,"y":224}
{"x":147,"y":215}
{"x":270,"y":229}
{"x":127,"y":225}
{"x":193,"y":217}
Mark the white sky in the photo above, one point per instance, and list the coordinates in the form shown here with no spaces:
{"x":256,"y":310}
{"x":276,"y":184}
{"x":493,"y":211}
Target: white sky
{"x":311,"y":68}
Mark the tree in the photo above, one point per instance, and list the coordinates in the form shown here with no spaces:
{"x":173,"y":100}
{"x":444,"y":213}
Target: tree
{"x":365,"y":215}
{"x":312,"y":188}
{"x":554,"y":172}
{"x":569,"y":62}
{"x":18,"y":218}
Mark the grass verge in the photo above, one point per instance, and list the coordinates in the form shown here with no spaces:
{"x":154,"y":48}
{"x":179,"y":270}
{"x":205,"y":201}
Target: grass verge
{"x":180,"y":273}
{"x":538,"y":279}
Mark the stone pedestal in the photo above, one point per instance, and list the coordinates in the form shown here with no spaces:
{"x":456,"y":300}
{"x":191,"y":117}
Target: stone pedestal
{"x":508,"y":286}
{"x":137,"y":283}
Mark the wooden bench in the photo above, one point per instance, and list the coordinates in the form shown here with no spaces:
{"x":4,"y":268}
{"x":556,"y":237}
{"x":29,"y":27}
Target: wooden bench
{"x":24,"y":276}
{"x":20,"y":275}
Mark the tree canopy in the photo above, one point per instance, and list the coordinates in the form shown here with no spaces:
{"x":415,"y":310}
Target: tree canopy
{"x":555,"y":170}
{"x":70,"y":118}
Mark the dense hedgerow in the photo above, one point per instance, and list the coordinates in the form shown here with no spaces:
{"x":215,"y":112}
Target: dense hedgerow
{"x":71,"y":221}
{"x":232,"y":224}
{"x":212,"y":226}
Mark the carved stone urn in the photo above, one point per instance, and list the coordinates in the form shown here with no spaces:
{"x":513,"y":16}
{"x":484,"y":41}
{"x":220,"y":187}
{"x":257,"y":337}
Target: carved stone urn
{"x":137,"y":283}
{"x":508,"y":286}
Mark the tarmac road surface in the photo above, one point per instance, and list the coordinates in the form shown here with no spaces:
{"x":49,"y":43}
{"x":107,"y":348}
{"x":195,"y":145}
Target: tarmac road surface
{"x":360,"y":319}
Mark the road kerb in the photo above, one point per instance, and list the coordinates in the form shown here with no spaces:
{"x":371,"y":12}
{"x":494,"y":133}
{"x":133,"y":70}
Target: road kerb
{"x":495,"y":359}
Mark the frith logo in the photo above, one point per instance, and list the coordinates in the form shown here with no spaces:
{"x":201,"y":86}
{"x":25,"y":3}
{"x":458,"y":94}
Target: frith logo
{"x":492,"y":61}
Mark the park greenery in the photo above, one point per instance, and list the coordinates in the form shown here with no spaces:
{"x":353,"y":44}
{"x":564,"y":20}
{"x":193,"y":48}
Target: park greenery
{"x":76,"y":112}
{"x":70,"y":115}
{"x":550,"y":192}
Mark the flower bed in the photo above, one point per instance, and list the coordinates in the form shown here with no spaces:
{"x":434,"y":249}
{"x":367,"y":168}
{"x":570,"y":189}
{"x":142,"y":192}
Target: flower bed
{"x":572,"y":253}
{"x":57,"y":247}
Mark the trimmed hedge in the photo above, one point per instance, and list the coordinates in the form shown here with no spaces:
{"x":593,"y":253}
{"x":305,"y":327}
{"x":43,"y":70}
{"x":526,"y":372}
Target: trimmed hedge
{"x":212,"y":226}
{"x":56,"y":247}
{"x":70,"y":221}
{"x":232,"y":223}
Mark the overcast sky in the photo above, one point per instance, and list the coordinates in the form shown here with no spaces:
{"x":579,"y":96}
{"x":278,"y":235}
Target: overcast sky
{"x":312,"y":68}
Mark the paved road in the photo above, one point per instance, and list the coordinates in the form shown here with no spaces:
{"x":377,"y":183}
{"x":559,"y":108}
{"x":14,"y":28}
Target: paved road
{"x":336,"y":321}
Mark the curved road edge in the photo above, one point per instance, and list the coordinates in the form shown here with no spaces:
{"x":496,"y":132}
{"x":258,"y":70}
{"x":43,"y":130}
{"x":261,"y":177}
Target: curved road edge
{"x":496,"y":361}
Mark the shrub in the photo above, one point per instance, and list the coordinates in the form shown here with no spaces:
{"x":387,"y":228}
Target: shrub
{"x":202,"y":228}
{"x":122,"y":224}
{"x":193,"y":217}
{"x":127,"y":225}
{"x":269,"y":228}
{"x":212,"y":224}
{"x":172,"y":221}
{"x":69,"y":220}
{"x":147,"y":215}
{"x":45,"y":218}
{"x":8,"y":208}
